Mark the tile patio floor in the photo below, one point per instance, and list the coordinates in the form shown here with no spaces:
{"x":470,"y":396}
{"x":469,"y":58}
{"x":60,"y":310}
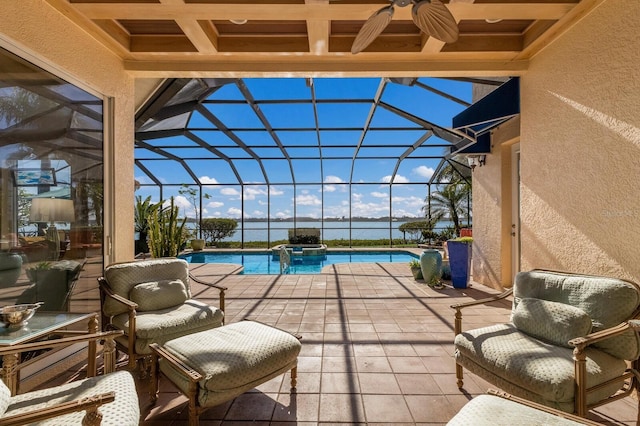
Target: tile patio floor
{"x":377,"y":349}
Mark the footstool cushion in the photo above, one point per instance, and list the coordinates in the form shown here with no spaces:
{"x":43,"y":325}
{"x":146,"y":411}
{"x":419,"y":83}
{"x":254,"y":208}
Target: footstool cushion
{"x":502,"y":409}
{"x":229,"y":360}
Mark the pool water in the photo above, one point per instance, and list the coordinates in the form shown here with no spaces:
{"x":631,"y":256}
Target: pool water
{"x":266,"y":263}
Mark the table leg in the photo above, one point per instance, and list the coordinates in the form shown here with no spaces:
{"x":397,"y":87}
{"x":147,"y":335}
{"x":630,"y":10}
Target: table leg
{"x":93,"y":328}
{"x":9,"y":372}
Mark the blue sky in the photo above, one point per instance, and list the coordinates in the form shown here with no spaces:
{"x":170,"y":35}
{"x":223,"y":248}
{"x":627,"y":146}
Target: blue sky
{"x":319,"y":183}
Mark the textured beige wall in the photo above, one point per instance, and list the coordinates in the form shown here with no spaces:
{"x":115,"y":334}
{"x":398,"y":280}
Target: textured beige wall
{"x":580,"y":147}
{"x":64,"y":49}
{"x":491,"y":212}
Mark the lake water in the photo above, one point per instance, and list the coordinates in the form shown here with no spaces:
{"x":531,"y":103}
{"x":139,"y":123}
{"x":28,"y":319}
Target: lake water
{"x":329,"y":230}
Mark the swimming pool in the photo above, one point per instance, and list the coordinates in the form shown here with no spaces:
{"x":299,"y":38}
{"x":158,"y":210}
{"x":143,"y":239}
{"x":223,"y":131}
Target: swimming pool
{"x":266,"y":263}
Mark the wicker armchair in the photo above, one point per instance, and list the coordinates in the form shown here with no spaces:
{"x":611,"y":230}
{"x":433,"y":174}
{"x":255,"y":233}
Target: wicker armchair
{"x":109,"y":399}
{"x":151,"y":302}
{"x":572,"y":343}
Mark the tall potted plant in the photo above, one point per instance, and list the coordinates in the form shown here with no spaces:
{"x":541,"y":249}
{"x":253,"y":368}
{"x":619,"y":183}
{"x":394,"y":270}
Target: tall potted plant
{"x":141,"y":213}
{"x":460,"y":260}
{"x":166,"y":230}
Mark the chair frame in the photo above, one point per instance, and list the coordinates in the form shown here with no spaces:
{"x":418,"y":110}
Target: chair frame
{"x":92,"y":404}
{"x":107,"y":292}
{"x":631,"y":377}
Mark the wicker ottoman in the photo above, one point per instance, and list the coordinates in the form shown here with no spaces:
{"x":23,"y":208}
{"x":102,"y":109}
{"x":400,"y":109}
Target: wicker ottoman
{"x":502,"y":409}
{"x":214,"y":366}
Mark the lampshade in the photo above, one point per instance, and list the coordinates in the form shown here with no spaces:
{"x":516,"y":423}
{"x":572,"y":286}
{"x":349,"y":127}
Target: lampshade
{"x":51,"y":210}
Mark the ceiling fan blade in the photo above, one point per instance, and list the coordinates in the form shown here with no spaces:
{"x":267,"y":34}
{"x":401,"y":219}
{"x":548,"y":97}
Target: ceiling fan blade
{"x":372,"y":29}
{"x":433,"y":17}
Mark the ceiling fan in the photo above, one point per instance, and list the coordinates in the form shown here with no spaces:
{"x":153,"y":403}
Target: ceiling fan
{"x":431,"y":16}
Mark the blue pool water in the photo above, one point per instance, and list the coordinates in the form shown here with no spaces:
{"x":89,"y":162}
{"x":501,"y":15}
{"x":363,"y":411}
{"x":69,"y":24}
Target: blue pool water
{"x":265,"y":263}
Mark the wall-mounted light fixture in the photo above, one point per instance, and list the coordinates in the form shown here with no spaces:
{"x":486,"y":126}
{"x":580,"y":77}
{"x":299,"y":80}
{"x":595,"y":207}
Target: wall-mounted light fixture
{"x":476,"y":160}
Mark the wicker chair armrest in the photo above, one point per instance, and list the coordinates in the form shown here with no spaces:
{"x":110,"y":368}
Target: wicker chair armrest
{"x":582,"y":342}
{"x":214,"y":285}
{"x":90,"y":404}
{"x":500,"y":296}
{"x":191,"y":374}
{"x":207,"y":283}
{"x":104,"y":287}
{"x":457,"y":328}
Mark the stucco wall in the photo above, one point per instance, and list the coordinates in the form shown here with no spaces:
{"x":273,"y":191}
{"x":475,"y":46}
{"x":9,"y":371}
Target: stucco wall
{"x":64,"y":49}
{"x":491,"y":212}
{"x":580,"y":148}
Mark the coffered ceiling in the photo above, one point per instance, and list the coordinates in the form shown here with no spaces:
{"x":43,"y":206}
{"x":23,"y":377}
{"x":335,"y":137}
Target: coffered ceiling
{"x":162,"y":38}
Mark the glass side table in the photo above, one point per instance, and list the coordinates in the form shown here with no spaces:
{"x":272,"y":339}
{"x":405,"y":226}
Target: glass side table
{"x":40,"y":325}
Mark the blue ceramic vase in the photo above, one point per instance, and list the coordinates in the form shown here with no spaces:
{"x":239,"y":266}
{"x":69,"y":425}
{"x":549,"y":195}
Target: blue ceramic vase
{"x":460,"y":260}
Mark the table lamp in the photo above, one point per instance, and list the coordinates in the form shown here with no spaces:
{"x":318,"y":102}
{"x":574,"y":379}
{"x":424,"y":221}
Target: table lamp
{"x":52,"y":210}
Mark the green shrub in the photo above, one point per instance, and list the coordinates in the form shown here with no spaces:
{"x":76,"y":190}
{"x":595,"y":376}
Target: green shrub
{"x":304,"y":239}
{"x":215,"y":230}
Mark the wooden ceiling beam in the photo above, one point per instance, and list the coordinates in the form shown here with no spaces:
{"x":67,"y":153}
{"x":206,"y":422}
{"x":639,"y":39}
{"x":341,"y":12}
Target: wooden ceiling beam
{"x":161,"y":43}
{"x":318,"y":31}
{"x":263,"y":44}
{"x":116,"y":31}
{"x":323,"y":68}
{"x":322,"y":12}
{"x":201,"y":34}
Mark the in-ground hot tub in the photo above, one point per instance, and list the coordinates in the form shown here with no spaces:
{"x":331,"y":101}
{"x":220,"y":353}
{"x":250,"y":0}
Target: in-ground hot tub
{"x":300,"y":250}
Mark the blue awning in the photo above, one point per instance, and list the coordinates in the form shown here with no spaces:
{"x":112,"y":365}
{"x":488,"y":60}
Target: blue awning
{"x":489,"y":112}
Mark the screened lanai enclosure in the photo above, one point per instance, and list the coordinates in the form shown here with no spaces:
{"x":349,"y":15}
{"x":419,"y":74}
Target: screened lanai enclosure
{"x":354,"y":158}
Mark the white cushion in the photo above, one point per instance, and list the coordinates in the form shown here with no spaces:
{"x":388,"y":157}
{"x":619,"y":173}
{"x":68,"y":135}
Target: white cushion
{"x":553,"y":322}
{"x":156,"y":295}
{"x":5,"y":397}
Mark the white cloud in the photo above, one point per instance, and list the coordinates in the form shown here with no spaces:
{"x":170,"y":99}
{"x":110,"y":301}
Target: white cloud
{"x":397,"y":179}
{"x":250,"y":193}
{"x":234,"y":212}
{"x":411,"y":202}
{"x":229,"y":191}
{"x":336,"y":184}
{"x":333,"y":179}
{"x":274,"y":191}
{"x":405,"y":213}
{"x":308,"y":200}
{"x":183,"y":204}
{"x":207,"y":180}
{"x":369,"y":209}
{"x":215,"y":204}
{"x":423,"y":171}
{"x":379,"y":194}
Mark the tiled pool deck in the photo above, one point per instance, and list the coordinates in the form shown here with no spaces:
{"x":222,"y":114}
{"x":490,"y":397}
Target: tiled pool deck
{"x":377,"y":349}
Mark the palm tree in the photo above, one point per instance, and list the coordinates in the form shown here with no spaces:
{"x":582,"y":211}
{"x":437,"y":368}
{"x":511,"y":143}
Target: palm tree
{"x":452,"y":199}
